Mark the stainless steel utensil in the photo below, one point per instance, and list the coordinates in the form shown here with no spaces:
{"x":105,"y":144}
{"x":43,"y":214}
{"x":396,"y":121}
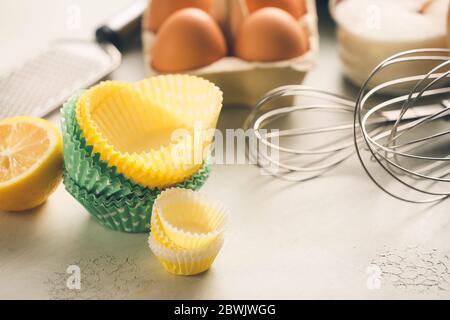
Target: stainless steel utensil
{"x":316,"y":149}
{"x":44,"y":82}
{"x":412,"y":161}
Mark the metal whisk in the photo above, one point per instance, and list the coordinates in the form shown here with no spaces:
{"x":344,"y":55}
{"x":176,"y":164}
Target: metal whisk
{"x":300,"y":151}
{"x":412,"y":159}
{"x":305,"y":152}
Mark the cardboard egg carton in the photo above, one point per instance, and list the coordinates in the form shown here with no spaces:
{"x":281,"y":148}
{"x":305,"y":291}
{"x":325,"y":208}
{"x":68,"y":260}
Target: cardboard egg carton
{"x":243,"y":82}
{"x":448,"y":28}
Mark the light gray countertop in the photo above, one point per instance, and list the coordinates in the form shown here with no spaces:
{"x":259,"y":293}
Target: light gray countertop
{"x":307,"y":240}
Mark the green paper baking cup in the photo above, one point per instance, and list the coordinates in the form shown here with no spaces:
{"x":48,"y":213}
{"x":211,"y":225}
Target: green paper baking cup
{"x":89,"y":172}
{"x":128,"y":214}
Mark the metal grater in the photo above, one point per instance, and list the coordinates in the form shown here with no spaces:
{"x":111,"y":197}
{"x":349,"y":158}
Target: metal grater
{"x":43,"y":83}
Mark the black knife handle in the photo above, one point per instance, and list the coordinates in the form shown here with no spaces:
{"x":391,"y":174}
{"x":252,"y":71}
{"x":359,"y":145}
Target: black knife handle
{"x":123,"y":27}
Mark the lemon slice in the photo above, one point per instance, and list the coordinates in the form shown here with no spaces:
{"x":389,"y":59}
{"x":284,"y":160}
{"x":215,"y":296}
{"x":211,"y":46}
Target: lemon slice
{"x":30,"y":162}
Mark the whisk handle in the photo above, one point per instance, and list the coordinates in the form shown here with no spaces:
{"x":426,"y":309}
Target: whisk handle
{"x":412,"y":113}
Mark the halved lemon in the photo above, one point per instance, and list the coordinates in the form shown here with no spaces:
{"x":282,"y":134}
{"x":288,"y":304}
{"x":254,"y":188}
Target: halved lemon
{"x":31,"y":162}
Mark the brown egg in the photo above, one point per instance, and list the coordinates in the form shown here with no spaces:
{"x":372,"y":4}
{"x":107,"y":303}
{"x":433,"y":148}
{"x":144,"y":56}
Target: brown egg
{"x":160,"y":10}
{"x":271,"y":34}
{"x":189,"y":39}
{"x":295,"y":7}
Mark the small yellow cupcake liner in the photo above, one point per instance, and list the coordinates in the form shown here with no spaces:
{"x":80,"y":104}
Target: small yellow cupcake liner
{"x":147,"y":130}
{"x":185,"y":262}
{"x":189,"y":219}
{"x":158,"y":233}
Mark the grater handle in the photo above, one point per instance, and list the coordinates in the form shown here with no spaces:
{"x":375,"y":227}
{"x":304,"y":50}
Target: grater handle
{"x":123,"y":27}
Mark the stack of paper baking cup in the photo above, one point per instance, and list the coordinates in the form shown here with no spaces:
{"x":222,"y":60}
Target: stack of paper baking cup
{"x":119,"y":149}
{"x":187,"y":231}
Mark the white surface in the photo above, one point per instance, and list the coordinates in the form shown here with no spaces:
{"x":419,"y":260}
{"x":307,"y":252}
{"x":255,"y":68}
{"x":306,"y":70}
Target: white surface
{"x":309,"y":240}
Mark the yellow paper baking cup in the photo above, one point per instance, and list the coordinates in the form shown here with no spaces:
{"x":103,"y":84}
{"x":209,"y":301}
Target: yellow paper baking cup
{"x":189,"y":219}
{"x":185,"y":261}
{"x":190,"y":98}
{"x":159,"y":235}
{"x":151,"y":139}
